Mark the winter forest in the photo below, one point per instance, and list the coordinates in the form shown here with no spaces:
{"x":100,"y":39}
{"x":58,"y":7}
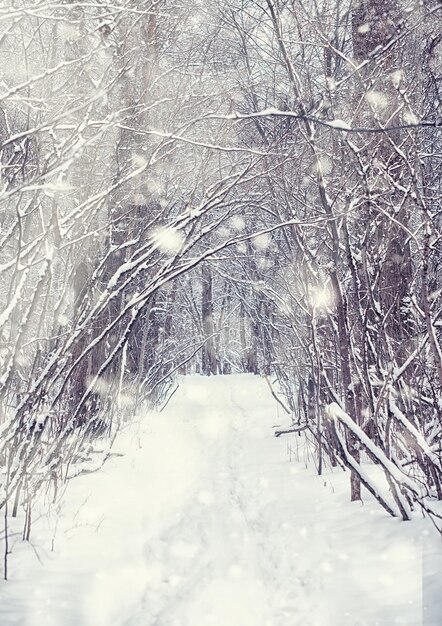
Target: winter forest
{"x":241,"y":198}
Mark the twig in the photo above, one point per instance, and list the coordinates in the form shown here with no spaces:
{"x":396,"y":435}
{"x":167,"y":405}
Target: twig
{"x":298,"y":429}
{"x":276,"y":397}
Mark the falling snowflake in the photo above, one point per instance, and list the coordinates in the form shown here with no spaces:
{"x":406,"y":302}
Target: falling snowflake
{"x":262,"y":242}
{"x":168,"y":239}
{"x":377,"y":99}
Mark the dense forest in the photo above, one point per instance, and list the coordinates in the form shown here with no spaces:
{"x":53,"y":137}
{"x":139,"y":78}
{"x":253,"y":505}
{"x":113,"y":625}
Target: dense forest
{"x":222,"y":187}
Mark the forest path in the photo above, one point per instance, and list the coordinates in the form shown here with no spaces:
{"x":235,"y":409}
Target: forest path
{"x":209,"y":521}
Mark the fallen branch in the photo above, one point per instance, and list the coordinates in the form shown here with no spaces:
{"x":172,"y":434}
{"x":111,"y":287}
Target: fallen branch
{"x":404,"y":482}
{"x":296,"y":429}
{"x":355,"y":467}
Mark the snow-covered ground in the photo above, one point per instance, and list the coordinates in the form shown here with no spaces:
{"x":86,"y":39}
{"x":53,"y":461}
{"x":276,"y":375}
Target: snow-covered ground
{"x":208,"y":520}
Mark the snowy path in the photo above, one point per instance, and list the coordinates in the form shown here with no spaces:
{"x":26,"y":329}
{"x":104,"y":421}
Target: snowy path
{"x":205,"y":522}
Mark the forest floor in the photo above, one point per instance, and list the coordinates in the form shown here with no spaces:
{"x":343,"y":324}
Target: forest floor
{"x":207,"y":520}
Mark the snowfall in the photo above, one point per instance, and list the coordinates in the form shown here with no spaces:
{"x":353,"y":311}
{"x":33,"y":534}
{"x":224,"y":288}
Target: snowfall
{"x":202,"y":517}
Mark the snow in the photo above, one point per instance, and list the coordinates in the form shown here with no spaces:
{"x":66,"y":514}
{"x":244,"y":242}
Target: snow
{"x":238,"y":223}
{"x":262,"y":242}
{"x":203,"y":518}
{"x":339,"y":124}
{"x":377,"y":99}
{"x":168,"y":239}
{"x":321,"y":297}
{"x":411,"y":118}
